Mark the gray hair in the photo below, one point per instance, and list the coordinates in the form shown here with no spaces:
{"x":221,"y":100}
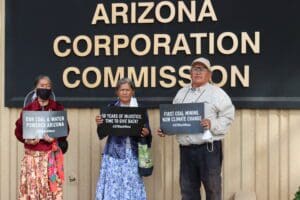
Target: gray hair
{"x":40,"y":77}
{"x":125,"y":81}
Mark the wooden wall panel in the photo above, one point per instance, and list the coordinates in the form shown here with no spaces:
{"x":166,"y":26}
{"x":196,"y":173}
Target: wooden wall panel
{"x":284,"y":154}
{"x":248,"y":150}
{"x":232,"y":152}
{"x":294,"y":158}
{"x":260,"y":155}
{"x":274,"y":151}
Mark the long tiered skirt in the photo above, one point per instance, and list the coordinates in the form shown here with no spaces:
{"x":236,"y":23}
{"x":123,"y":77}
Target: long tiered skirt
{"x":119,"y":179}
{"x":34,"y":182}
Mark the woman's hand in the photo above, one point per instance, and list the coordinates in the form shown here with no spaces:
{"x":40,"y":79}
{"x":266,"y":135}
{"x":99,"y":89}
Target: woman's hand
{"x":99,"y":120}
{"x":32,"y":141}
{"x":47,"y":138}
{"x":160,"y":133}
{"x":145,"y":132}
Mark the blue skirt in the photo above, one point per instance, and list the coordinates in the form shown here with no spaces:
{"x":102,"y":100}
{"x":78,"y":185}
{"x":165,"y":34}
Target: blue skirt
{"x":119,"y":179}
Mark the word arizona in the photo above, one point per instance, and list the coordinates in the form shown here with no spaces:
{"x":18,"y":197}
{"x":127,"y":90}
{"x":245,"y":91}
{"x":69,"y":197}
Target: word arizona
{"x":151,"y":12}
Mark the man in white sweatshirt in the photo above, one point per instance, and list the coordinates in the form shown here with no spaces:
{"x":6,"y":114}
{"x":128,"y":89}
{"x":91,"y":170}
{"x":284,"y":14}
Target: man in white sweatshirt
{"x":201,"y":154}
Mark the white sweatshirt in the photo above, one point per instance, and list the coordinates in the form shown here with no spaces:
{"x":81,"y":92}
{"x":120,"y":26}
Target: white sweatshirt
{"x":218,"y":108}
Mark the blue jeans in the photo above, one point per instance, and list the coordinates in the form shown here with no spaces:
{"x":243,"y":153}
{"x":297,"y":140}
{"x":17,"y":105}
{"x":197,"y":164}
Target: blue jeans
{"x":199,"y":165}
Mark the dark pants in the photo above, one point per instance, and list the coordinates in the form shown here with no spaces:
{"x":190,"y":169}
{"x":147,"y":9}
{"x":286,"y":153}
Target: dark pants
{"x":198,"y":165}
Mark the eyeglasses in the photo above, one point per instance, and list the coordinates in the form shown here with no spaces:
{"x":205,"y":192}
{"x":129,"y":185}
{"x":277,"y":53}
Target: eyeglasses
{"x":199,"y":69}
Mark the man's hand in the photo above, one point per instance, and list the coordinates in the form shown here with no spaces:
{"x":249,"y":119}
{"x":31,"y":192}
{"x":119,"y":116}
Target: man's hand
{"x":206,"y":124}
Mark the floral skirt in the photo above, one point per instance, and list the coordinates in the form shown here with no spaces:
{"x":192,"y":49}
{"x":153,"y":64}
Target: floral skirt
{"x":119,"y":179}
{"x":34,"y":181}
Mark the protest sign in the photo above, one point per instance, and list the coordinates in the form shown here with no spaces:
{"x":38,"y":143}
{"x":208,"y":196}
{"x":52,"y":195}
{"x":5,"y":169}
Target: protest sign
{"x":122,"y":121}
{"x":37,"y":123}
{"x":181,"y":118}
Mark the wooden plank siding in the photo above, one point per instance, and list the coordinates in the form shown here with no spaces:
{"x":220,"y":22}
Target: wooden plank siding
{"x":260,"y":155}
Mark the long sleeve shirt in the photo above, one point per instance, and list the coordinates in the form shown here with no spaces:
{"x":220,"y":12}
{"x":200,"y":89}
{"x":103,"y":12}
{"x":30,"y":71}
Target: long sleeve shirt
{"x":218,"y":108}
{"x":35,"y":106}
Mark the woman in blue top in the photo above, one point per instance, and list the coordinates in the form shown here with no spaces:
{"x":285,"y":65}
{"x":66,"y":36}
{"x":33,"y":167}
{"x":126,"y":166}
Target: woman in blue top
{"x":119,"y":177}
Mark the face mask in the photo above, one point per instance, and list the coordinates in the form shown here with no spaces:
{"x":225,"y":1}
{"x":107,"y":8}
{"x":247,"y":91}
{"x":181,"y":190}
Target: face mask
{"x":43,"y":93}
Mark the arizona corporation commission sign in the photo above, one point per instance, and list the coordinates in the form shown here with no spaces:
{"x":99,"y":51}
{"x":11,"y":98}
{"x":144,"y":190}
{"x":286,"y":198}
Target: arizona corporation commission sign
{"x":85,"y":46}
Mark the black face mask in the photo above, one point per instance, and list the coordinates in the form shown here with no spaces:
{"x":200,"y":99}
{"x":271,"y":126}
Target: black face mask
{"x":43,"y":93}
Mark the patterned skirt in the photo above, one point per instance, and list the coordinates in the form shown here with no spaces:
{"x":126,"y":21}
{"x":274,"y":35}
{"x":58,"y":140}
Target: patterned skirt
{"x":119,"y":179}
{"x":34,"y":181}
